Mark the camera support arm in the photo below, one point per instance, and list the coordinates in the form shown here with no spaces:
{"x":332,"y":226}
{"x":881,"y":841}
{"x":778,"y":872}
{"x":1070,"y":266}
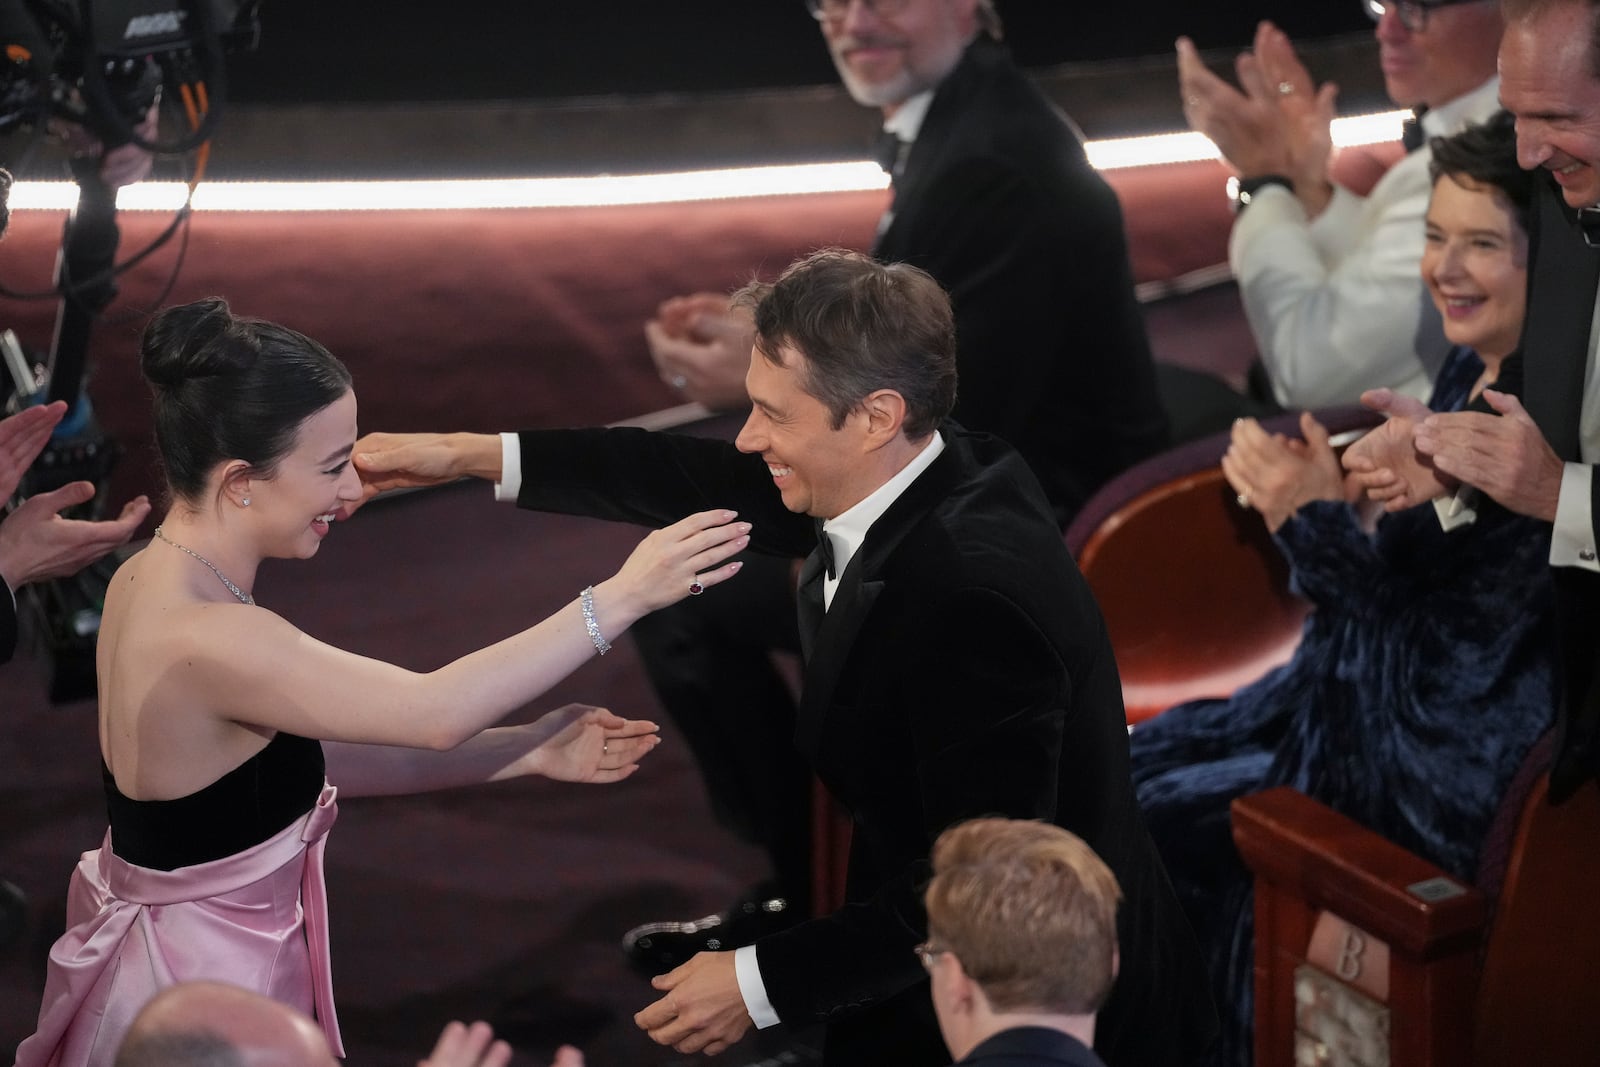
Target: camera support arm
{"x":85,"y":280}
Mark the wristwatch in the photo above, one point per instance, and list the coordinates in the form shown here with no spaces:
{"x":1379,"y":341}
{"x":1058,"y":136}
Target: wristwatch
{"x":1242,"y":190}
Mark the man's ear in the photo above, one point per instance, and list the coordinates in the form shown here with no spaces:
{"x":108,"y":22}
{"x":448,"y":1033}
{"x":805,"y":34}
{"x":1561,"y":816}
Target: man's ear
{"x":885,"y":412}
{"x":962,"y":992}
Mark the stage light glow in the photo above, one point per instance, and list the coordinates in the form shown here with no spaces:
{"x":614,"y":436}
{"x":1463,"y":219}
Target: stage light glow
{"x":613,"y":190}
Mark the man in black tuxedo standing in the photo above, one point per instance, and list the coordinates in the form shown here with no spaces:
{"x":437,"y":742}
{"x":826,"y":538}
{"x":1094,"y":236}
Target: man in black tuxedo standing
{"x":1537,"y":459}
{"x":956,"y":664}
{"x":993,"y":196}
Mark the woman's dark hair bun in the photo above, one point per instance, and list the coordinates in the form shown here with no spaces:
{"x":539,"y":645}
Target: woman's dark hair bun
{"x":229,"y":388}
{"x":190,"y":341}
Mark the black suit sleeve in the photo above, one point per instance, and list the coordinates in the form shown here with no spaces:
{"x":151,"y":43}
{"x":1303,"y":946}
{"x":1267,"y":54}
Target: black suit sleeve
{"x":655,"y":479}
{"x":986,"y":724}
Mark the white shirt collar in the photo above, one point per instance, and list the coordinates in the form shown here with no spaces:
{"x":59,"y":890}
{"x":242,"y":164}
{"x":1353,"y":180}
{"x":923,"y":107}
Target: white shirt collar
{"x":1448,"y":119}
{"x":907,"y":120}
{"x":848,"y":530}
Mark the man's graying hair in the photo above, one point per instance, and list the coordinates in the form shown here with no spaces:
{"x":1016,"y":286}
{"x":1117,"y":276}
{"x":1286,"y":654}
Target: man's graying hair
{"x":1527,"y":10}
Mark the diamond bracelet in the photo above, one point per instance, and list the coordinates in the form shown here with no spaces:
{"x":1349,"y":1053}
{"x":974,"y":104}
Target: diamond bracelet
{"x":586,"y":601}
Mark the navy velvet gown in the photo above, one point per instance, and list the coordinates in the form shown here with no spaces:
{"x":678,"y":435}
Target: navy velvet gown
{"x":1423,"y":676}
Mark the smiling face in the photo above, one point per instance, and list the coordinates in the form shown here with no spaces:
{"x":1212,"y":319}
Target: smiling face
{"x":1548,"y":82}
{"x":1476,"y":266}
{"x":312,"y":482}
{"x":1451,"y":56}
{"x":884,"y":60}
{"x":819,"y":470}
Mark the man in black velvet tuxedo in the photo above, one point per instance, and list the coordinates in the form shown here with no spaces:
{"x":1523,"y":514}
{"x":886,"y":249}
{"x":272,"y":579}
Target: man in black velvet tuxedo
{"x":993,"y":196}
{"x":1538,"y":460}
{"x":956,"y":664}
{"x":1022,"y":943}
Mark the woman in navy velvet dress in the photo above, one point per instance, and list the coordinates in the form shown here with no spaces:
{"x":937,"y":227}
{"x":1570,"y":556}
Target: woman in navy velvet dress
{"x":1424,"y":673}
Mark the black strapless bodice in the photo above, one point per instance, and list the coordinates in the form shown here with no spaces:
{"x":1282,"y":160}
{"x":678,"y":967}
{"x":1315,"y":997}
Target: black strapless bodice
{"x":240,"y":810}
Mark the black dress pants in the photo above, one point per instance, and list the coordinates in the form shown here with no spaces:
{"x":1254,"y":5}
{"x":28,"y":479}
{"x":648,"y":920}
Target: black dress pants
{"x":712,"y":661}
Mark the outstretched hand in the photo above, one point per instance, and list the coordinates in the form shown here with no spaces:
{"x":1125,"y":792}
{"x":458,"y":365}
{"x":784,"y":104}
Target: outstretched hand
{"x":22,"y":438}
{"x":1385,"y":463}
{"x":681,"y":560}
{"x":579,"y":743}
{"x":413,"y":460}
{"x":37,"y":542}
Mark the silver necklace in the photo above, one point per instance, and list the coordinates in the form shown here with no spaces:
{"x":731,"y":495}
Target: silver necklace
{"x":244,"y":598}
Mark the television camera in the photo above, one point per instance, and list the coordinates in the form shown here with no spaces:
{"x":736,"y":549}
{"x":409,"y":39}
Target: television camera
{"x":105,"y":68}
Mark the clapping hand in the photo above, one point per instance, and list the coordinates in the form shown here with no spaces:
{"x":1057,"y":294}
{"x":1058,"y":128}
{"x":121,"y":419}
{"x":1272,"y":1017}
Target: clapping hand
{"x":22,"y":438}
{"x":1277,"y":475}
{"x":37,"y":542}
{"x":701,"y":347}
{"x":1276,"y":122}
{"x":1385,"y":464}
{"x":1504,"y":455}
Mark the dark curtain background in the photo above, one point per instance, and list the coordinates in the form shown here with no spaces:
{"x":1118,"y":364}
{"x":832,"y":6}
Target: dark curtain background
{"x":401,"y":50}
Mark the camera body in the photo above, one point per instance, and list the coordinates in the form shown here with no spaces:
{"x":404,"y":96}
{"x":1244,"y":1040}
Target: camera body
{"x":102,"y":63}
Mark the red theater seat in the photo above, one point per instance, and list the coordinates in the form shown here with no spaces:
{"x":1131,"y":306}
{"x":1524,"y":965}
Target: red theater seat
{"x":1194,"y":593}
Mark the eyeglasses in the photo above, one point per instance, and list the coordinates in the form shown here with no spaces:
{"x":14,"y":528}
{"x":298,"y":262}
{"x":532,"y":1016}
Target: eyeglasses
{"x":836,"y":10}
{"x":1413,"y":14}
{"x":926,"y":952}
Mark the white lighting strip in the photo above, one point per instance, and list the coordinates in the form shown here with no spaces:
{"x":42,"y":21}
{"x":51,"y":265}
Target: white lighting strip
{"x":613,"y":190}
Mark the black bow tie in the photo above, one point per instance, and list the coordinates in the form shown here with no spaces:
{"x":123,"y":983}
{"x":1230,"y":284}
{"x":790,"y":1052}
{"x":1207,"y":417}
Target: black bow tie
{"x":825,"y":551}
{"x":886,"y":148}
{"x":1589,"y":225}
{"x":1412,"y":136}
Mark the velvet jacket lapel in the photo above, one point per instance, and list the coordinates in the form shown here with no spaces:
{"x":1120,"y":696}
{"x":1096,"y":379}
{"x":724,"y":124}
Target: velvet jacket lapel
{"x":937,"y":137}
{"x":859,"y":588}
{"x":1555,"y":342}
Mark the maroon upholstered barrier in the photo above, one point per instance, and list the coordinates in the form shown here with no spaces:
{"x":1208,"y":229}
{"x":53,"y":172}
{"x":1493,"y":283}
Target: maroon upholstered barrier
{"x":491,"y":319}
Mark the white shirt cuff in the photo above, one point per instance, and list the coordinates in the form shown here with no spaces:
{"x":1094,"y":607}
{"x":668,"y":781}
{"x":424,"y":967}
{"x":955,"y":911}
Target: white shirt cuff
{"x":1572,"y":543}
{"x":752,"y":988}
{"x":510,"y":483}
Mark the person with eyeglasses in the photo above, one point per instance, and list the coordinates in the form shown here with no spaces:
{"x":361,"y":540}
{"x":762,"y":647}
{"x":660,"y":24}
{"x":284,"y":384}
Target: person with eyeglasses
{"x":1537,"y":456}
{"x":993,"y":196}
{"x":1022,"y":943}
{"x":1328,"y":277}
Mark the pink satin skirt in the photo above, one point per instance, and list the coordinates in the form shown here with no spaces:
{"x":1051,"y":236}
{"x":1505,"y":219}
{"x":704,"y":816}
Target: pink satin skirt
{"x":257,"y":919}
